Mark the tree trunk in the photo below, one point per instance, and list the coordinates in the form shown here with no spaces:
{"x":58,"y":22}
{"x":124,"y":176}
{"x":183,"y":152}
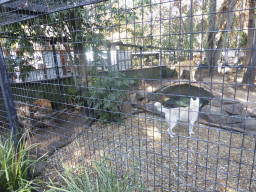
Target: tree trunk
{"x":211,"y":35}
{"x":252,"y":65}
{"x":223,"y":38}
{"x":212,"y":55}
{"x":249,"y":76}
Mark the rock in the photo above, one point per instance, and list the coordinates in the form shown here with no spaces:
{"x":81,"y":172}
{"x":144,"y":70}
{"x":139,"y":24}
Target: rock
{"x":251,"y":112}
{"x":221,"y":102}
{"x":235,"y":119}
{"x":228,"y":90}
{"x":133,"y":98}
{"x":144,"y":101}
{"x":214,"y":114}
{"x":141,"y":95}
{"x":249,"y":126}
{"x":154,"y":97}
{"x":126,"y":106}
{"x":234,"y":109}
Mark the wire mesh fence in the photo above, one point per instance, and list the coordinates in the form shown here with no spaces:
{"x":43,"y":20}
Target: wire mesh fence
{"x":162,"y":88}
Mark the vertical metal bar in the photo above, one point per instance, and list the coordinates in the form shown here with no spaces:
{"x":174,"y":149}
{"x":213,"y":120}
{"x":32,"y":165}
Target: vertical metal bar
{"x":56,"y":66}
{"x":109,"y":58}
{"x":140,"y":57}
{"x":119,"y":67}
{"x":160,"y":63}
{"x":44,"y":66}
{"x":8,"y":100}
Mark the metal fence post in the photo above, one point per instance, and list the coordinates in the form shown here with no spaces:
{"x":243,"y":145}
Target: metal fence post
{"x":8,"y":100}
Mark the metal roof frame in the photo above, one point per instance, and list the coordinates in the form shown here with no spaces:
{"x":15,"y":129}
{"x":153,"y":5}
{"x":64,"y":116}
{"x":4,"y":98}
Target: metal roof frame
{"x":13,"y":11}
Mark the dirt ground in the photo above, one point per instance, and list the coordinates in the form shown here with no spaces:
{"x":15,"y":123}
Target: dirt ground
{"x":212,"y":159}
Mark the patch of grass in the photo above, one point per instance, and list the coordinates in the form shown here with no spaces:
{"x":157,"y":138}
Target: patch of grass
{"x":14,"y":166}
{"x":102,"y":177}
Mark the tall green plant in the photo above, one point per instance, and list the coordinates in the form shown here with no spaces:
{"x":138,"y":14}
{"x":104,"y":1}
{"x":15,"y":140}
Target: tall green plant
{"x":105,"y":93}
{"x":14,"y":166}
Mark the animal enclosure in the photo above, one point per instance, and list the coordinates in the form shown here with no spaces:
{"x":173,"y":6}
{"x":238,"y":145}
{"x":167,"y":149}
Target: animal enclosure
{"x":99,"y":79}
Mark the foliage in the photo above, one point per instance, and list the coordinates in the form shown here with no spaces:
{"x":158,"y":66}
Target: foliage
{"x":14,"y":166}
{"x":70,"y":93}
{"x":22,"y":64}
{"x":22,"y":46}
{"x":243,"y":39}
{"x":105,"y":92}
{"x":104,"y":179}
{"x":167,"y":73}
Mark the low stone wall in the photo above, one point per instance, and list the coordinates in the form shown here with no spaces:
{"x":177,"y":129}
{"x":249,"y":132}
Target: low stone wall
{"x":145,"y":73}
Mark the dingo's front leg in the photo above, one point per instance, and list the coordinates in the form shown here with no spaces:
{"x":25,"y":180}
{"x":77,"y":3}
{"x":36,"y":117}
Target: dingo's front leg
{"x":193,"y":73}
{"x":172,"y":123}
{"x":179,"y":72}
{"x":190,"y":128}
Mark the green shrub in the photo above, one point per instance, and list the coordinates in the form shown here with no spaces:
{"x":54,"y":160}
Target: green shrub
{"x":70,"y":92}
{"x":14,"y":166}
{"x":105,"y":92}
{"x":167,"y":73}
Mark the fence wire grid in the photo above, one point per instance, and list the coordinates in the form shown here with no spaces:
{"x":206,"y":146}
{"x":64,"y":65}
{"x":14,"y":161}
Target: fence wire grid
{"x":165,"y":89}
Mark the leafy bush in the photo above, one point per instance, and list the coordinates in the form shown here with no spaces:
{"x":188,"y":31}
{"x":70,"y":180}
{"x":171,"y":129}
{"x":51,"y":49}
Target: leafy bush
{"x":103,"y":179}
{"x":167,"y":73}
{"x":71,"y":93}
{"x":14,"y":166}
{"x":23,"y":63}
{"x":243,"y":39}
{"x":105,"y":92}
